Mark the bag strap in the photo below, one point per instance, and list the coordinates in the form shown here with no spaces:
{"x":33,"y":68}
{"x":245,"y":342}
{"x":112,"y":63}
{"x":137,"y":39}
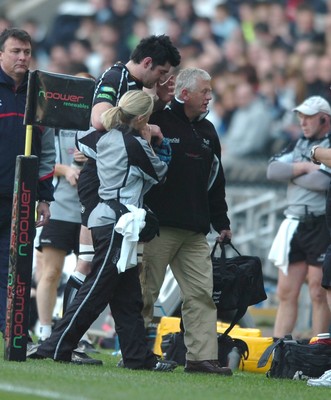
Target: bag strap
{"x":267,"y":353}
{"x":241,"y":311}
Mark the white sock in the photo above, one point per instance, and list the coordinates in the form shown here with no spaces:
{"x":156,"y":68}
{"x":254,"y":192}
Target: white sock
{"x":45,"y":331}
{"x":79,"y":275}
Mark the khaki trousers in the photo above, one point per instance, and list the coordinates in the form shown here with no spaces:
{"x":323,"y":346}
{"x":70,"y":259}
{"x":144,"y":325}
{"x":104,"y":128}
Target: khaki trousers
{"x":188,"y":255}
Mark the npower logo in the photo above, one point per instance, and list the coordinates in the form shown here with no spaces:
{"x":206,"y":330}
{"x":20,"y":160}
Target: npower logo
{"x":22,"y":219}
{"x":60,"y":96}
{"x":17,"y":304}
{"x":17,"y":289}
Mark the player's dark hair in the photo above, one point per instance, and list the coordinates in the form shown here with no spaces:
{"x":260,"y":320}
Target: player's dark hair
{"x":16,"y":33}
{"x":159,"y":48}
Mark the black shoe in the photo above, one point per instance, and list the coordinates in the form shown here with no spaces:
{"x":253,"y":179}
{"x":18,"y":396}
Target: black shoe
{"x":80,"y":358}
{"x":77,"y":357}
{"x":160,"y":366}
{"x":87,"y":347}
{"x":165,"y":366}
{"x":207,"y":366}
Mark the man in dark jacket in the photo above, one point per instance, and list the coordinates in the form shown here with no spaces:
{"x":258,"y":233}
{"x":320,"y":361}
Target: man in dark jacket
{"x":15,"y":57}
{"x":192,"y":197}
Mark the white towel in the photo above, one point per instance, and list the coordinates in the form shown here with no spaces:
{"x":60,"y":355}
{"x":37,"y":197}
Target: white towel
{"x":129,"y":225}
{"x":280,"y":248}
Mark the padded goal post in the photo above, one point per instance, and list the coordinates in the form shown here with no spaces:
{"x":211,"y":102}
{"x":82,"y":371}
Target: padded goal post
{"x":20,"y":258}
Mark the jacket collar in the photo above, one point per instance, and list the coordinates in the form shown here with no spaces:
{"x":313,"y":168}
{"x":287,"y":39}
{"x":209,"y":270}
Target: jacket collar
{"x":9,"y":81}
{"x":177,"y":106}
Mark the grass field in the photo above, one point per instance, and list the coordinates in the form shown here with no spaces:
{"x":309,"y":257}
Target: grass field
{"x":46,"y":379}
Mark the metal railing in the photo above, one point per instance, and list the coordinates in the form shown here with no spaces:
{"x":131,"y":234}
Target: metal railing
{"x":255,"y":215}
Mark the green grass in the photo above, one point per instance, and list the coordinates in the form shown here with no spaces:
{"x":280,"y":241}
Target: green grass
{"x":46,"y":379}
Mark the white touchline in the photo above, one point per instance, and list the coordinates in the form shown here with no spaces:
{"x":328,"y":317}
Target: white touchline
{"x":40,"y":393}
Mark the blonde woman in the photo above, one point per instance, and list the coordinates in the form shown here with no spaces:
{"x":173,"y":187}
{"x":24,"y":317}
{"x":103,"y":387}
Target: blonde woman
{"x":127,"y":167}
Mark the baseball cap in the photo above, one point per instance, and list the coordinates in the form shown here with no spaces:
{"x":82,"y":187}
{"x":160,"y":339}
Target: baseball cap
{"x":314,"y":105}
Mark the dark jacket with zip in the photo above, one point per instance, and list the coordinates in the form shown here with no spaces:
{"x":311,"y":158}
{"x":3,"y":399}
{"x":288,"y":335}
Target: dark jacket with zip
{"x":193,"y":195}
{"x":12,"y":140}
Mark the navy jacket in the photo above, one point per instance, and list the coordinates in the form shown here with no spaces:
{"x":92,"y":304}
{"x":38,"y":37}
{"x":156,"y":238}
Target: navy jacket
{"x":12,"y":140}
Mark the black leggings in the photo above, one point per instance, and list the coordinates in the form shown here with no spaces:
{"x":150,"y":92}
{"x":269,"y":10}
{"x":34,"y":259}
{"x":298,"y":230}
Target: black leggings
{"x":104,"y":286}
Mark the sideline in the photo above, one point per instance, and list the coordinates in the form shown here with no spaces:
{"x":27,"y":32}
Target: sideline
{"x":4,"y":387}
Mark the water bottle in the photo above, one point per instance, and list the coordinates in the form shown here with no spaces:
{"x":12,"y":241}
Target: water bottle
{"x":234,"y":358}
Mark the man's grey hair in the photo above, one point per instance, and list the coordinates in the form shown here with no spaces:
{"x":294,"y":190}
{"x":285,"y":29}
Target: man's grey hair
{"x":187,"y":79}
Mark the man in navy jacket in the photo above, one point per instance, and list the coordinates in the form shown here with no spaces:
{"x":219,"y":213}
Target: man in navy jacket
{"x":15,"y":57}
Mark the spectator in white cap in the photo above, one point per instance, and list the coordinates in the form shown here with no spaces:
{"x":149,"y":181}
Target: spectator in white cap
{"x":300,"y":245}
{"x":314,"y":105}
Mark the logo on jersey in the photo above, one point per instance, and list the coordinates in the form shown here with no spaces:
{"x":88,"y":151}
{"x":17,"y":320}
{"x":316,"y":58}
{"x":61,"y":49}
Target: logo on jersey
{"x":104,"y":96}
{"x":107,"y":89}
{"x":107,"y":93}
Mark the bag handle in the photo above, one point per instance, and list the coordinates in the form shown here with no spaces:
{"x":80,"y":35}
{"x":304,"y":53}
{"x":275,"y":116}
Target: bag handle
{"x":222,"y":246}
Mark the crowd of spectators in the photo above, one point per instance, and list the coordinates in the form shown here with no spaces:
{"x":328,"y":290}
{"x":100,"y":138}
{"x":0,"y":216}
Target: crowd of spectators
{"x":265,"y":56}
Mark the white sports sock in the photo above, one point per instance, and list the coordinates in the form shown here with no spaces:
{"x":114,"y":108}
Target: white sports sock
{"x":45,"y":331}
{"x":79,"y":275}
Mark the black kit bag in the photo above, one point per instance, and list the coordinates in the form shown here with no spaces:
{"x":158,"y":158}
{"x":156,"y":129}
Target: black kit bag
{"x":173,"y":348}
{"x":291,"y":356}
{"x":238,"y":283}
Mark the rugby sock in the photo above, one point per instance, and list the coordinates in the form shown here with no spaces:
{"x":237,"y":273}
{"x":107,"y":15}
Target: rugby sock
{"x":44,"y":332}
{"x":86,"y":252}
{"x":74,"y":283}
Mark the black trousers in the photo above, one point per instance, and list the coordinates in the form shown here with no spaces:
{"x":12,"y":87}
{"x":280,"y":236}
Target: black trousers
{"x":326,"y":279}
{"x":104,"y":286}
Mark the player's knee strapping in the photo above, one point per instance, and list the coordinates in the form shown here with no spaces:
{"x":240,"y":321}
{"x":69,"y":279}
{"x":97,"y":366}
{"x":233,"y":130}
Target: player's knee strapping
{"x":86,"y":252}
